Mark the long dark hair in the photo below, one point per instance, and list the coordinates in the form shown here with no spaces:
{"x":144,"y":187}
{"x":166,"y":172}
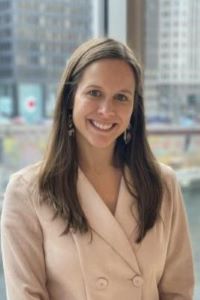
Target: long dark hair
{"x":59,"y":171}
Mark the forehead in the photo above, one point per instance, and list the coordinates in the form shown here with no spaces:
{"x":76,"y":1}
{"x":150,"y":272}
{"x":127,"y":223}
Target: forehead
{"x":108,"y":71}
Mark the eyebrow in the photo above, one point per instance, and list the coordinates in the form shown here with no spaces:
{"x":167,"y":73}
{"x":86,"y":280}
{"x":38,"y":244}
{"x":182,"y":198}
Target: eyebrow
{"x":120,"y":91}
{"x":126,"y":91}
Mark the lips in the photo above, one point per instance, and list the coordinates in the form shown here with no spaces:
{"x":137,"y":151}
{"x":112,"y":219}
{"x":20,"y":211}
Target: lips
{"x":102,"y":126}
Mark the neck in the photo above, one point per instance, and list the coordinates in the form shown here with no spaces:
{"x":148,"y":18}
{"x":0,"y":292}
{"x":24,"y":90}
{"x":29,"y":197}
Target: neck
{"x":96,"y":160}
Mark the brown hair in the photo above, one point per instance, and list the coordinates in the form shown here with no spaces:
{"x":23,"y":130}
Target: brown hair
{"x":58,"y":177}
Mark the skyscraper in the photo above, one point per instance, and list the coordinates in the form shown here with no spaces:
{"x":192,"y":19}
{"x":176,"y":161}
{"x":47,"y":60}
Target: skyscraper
{"x":173,"y":59}
{"x":36,"y":38}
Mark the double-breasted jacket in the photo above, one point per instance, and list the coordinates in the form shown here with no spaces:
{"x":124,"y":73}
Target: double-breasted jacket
{"x":42,"y":263}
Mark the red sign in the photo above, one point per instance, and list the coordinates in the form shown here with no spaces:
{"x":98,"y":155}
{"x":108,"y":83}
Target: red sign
{"x":31,"y":104}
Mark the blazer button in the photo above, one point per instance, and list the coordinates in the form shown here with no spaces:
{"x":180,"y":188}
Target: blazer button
{"x":101,"y":283}
{"x":137,"y":281}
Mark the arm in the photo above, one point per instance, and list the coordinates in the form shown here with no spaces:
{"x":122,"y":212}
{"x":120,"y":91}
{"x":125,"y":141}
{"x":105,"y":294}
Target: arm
{"x":177,"y":282}
{"x":22,"y":245}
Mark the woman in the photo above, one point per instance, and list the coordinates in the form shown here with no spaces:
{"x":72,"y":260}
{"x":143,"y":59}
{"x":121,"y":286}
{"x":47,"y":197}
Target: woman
{"x":99,"y":217}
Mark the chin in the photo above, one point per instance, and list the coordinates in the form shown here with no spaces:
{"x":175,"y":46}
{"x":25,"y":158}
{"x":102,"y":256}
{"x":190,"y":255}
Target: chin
{"x":102,"y":144}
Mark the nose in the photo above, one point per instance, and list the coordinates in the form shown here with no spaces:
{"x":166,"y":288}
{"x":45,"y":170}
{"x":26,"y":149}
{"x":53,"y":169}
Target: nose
{"x":106,"y":108}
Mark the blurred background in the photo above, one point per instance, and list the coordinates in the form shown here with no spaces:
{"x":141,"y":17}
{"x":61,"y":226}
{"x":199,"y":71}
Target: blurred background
{"x":36,"y":40}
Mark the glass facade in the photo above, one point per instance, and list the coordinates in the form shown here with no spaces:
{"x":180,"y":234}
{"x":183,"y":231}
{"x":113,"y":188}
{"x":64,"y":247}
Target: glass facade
{"x":36,"y":40}
{"x":172,"y":56}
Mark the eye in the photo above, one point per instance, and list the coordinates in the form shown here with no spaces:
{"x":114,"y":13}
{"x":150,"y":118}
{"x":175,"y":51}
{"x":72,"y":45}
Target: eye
{"x":95,"y":93}
{"x":121,"y":97}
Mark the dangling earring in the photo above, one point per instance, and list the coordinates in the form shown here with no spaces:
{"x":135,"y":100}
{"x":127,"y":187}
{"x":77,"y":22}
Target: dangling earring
{"x":70,"y":125}
{"x":127,"y":135}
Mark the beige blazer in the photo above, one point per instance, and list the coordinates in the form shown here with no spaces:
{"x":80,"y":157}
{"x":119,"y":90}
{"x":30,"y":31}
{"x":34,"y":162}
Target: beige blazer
{"x":42,"y":264}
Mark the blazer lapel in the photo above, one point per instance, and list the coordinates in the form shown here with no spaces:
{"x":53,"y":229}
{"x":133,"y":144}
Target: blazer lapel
{"x":104,"y":223}
{"x":126,"y":211}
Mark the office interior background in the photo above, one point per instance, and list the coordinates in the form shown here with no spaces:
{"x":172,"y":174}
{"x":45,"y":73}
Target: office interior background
{"x":36,"y":40}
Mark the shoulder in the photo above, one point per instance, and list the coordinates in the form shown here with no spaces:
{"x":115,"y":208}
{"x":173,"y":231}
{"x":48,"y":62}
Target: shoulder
{"x":22,"y":184}
{"x":167,"y":172}
{"x":20,"y":202}
{"x":172,"y":194}
{"x":168,"y":175}
{"x":169,"y":178}
{"x":27,"y":176}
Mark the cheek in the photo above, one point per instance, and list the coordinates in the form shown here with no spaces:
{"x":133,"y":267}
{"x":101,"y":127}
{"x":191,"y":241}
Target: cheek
{"x":127,"y":114}
{"x":82,"y":105}
{"x":82,"y":109}
{"x":130,"y":112}
{"x":79,"y":106}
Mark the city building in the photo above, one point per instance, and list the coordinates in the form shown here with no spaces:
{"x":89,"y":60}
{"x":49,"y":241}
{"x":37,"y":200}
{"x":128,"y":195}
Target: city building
{"x":36,"y":39}
{"x":172,"y":60}
{"x":151,"y":56}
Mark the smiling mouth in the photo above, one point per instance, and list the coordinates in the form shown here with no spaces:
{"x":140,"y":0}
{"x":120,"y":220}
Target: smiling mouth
{"x":101,"y":126}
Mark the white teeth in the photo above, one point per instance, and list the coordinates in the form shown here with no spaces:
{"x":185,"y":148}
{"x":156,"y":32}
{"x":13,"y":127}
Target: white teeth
{"x":101,"y":126}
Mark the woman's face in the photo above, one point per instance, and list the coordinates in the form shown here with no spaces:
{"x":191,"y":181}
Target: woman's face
{"x":103,"y":103}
